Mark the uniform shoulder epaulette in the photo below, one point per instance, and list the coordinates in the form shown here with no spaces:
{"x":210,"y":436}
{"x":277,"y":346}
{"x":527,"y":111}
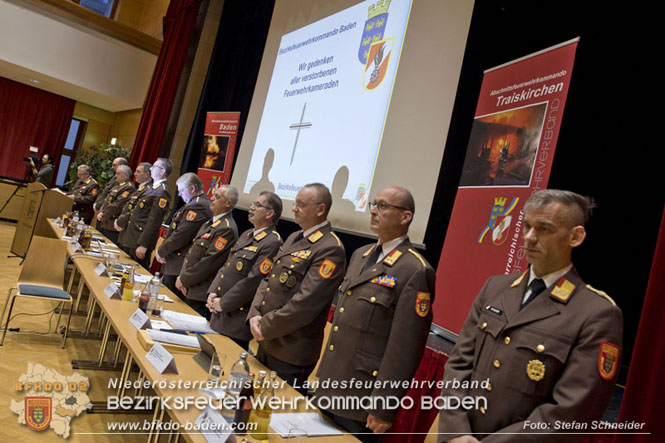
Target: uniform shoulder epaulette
{"x":227,"y":222}
{"x":279,"y":237}
{"x":602,"y":294}
{"x":339,"y":242}
{"x":419,"y":257}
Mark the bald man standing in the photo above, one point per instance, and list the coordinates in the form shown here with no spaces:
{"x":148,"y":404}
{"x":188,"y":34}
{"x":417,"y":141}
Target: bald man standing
{"x":382,"y":319}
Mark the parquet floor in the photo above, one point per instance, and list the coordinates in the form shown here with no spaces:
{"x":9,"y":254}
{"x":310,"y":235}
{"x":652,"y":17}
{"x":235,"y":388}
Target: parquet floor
{"x":23,"y":348}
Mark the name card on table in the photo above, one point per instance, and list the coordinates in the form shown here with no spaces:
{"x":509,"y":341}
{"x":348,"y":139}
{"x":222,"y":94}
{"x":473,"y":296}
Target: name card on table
{"x":213,"y":426}
{"x":100,"y":270}
{"x":140,"y":320}
{"x":112,"y":290}
{"x":76,"y":246}
{"x":161,"y":359}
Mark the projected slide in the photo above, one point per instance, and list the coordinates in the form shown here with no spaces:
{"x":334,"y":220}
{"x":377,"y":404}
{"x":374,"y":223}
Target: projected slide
{"x":327,"y":102}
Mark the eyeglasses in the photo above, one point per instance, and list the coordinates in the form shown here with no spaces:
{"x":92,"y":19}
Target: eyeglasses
{"x":300,"y":205}
{"x":382,"y":206}
{"x":259,"y":205}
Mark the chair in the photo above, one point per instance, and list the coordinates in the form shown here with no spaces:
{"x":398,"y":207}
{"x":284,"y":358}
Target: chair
{"x":42,"y":277}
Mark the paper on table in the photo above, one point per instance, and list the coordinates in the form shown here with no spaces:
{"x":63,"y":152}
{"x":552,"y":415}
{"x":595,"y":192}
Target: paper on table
{"x":165,"y":297}
{"x":140,"y":278}
{"x":174,"y":339}
{"x":187,"y":322}
{"x":160,"y":325}
{"x":310,"y":422}
{"x":95,"y":254}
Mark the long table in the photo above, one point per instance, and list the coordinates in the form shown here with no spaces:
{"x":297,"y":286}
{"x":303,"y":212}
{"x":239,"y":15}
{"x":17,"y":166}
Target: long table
{"x":115,"y":315}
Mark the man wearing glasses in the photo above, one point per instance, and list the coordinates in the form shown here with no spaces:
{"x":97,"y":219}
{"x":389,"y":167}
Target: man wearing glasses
{"x":290,"y":309}
{"x":209,"y":250}
{"x":382,"y":319}
{"x":142,"y":228}
{"x":250,"y":260}
{"x":185,"y":223}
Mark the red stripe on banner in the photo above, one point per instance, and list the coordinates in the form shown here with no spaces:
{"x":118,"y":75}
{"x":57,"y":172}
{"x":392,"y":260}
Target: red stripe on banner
{"x":218,"y":150}
{"x":509,"y":156}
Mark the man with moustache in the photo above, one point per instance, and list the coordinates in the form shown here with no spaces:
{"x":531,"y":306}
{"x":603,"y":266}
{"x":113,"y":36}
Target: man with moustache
{"x":185,"y":223}
{"x":382,"y":318}
{"x":84,"y":193}
{"x":548,"y":343}
{"x":144,"y":182}
{"x":147,"y":215}
{"x":209,"y":250}
{"x":290,"y":309}
{"x":101,"y":197}
{"x":115,"y":200}
{"x":250,"y":260}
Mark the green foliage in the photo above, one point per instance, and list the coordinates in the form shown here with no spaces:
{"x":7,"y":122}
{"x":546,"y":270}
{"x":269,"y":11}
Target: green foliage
{"x":99,"y":160}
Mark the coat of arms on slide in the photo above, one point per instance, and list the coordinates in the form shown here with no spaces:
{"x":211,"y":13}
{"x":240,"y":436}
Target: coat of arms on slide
{"x":377,"y":16}
{"x":377,"y":63}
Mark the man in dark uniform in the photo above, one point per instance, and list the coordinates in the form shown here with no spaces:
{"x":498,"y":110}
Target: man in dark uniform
{"x":382,"y":318}
{"x":101,"y":197}
{"x":185,"y":223}
{"x":84,"y":193}
{"x":540,"y":351}
{"x":115,"y":200}
{"x":290,"y":309}
{"x":144,"y":183}
{"x":210,"y":249}
{"x":147,"y":215}
{"x":250,"y":260}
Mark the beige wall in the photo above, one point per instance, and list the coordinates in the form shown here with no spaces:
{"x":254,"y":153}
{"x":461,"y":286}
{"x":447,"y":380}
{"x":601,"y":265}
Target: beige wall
{"x":125,"y":127}
{"x":99,"y":122}
{"x":143,"y":15}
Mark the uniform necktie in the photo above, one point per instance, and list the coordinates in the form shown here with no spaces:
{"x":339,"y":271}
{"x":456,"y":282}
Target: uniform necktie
{"x":537,"y":286}
{"x":298,"y":237}
{"x":372,"y":259}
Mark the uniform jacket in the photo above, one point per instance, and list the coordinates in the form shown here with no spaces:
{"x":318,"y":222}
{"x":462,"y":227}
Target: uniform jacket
{"x":101,"y":197}
{"x":206,"y":255}
{"x":125,"y":214}
{"x":184,"y":225}
{"x":250,"y":260}
{"x":555,"y":360}
{"x":85,"y":192}
{"x":382,"y":320}
{"x":115,"y":200}
{"x":146,"y":217}
{"x":294,"y":300}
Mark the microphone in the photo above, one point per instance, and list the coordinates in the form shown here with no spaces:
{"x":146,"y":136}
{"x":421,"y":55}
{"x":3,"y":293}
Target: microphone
{"x":68,"y":183}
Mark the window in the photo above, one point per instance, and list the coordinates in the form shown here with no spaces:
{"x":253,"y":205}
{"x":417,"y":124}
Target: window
{"x":74,"y":140}
{"x":103,"y":7}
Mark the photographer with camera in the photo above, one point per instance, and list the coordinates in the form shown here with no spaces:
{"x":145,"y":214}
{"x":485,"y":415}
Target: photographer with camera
{"x":45,"y":173}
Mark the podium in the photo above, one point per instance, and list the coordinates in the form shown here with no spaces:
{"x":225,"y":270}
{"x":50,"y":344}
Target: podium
{"x":39,"y":204}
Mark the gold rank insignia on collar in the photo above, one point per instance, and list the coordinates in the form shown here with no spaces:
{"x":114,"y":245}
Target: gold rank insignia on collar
{"x":87,"y":181}
{"x":369,"y":251}
{"x":155,"y":185}
{"x":214,"y":225}
{"x":392,"y":258}
{"x":563,"y":290}
{"x":315,"y":236}
{"x":261,"y":235}
{"x":519,"y":280}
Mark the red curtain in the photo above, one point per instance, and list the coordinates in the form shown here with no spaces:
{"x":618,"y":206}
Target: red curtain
{"x":412,"y":425}
{"x":644,"y":396}
{"x":31,"y":117}
{"x":179,"y":25}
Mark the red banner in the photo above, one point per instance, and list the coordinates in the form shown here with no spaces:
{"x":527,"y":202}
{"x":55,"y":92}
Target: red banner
{"x":219,"y":146}
{"x":509,"y":157}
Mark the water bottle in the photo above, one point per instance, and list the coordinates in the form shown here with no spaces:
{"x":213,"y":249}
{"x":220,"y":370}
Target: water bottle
{"x":155,"y":284}
{"x":239,"y":374}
